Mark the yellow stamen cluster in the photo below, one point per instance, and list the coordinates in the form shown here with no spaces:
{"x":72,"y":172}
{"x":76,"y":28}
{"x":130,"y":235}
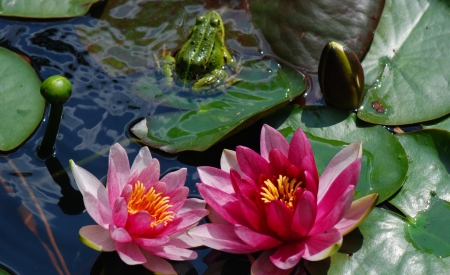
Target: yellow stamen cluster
{"x":154,"y":203}
{"x":284,"y":191}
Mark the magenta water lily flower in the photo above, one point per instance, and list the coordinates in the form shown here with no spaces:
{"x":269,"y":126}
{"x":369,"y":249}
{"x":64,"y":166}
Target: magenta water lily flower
{"x":141,"y":216}
{"x":277,"y":203}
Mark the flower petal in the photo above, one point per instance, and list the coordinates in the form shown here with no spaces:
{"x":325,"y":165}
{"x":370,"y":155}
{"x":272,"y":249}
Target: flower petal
{"x":279,"y":218}
{"x":141,"y":161}
{"x":264,"y":266}
{"x":177,"y":198}
{"x":288,"y":255}
{"x":184,"y":240}
{"x":272,"y":139}
{"x":300,"y":149}
{"x":120,"y":212}
{"x":119,"y":234}
{"x":171,"y":252}
{"x":252,"y":164}
{"x":215,"y":178}
{"x":150,"y":242}
{"x":339,"y":162}
{"x":304,"y":214}
{"x":220,"y":237}
{"x":118,"y":172}
{"x":149,"y":176}
{"x":94,"y":194}
{"x":97,"y":237}
{"x":175,"y":179}
{"x":321,"y":246}
{"x":191,"y":204}
{"x":130,"y":253}
{"x":188,"y":220}
{"x":357,"y":213}
{"x":335,"y":214}
{"x":158,"y":265}
{"x":255,"y":239}
{"x":228,"y":161}
{"x":138,"y":223}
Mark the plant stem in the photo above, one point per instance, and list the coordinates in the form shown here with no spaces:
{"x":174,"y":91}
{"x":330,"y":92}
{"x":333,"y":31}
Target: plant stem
{"x":51,"y":132}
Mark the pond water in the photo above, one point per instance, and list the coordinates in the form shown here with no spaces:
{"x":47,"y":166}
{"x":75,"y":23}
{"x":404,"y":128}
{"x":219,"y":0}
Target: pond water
{"x":41,"y":211}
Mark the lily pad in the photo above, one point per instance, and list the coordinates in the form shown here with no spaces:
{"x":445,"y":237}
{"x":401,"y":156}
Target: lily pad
{"x":298,"y":30}
{"x":202,"y":120}
{"x":429,"y":165}
{"x":384,"y":158}
{"x":22,"y":105}
{"x":45,"y":8}
{"x":408,"y":64}
{"x":440,"y":123}
{"x":387,"y":247}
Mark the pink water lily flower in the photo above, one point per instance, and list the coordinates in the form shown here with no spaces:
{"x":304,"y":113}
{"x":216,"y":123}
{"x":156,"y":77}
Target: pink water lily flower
{"x":277,"y":203}
{"x":141,"y":216}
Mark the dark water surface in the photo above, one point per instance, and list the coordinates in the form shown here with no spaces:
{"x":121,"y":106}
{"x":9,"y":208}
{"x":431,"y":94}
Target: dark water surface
{"x":40,"y":215}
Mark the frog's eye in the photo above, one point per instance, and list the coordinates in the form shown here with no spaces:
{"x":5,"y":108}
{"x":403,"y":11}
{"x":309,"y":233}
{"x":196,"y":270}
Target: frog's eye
{"x":200,"y":19}
{"x":215,"y":23}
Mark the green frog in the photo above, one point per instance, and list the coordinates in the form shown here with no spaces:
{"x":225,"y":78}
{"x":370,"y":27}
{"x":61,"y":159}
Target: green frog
{"x":202,"y":57}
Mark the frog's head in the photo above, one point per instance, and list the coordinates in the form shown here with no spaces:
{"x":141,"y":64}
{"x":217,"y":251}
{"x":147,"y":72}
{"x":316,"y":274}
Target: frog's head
{"x":210,"y":21}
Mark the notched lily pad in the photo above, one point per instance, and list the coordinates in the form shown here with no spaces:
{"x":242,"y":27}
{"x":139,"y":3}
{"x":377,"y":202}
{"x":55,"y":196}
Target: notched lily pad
{"x":387,"y":250}
{"x":384,"y":162}
{"x":45,"y":8}
{"x":21,"y":103}
{"x":203,"y":120}
{"x":297,"y":30}
{"x":408,"y":64}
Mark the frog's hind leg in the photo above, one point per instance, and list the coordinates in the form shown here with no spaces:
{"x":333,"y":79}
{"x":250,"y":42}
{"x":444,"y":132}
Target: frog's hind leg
{"x":210,"y":81}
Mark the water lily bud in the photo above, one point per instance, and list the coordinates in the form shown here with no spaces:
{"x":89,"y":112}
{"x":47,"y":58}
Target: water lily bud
{"x":341,"y":76}
{"x":56,"y":89}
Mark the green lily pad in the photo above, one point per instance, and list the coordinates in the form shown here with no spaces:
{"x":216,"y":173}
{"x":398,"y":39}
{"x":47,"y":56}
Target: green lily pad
{"x":429,"y":165}
{"x":45,"y":8}
{"x":408,"y":64}
{"x":22,"y":105}
{"x":388,"y":249}
{"x":298,"y":30}
{"x":384,"y":162}
{"x":440,"y":123}
{"x":203,"y":120}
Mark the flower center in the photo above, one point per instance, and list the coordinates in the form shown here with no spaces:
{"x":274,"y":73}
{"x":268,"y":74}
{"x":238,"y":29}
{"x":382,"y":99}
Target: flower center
{"x":154,"y":203}
{"x":284,"y":191}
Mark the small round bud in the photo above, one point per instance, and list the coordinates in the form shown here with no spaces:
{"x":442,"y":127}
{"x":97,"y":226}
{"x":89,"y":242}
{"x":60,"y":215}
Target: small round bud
{"x":56,"y":89}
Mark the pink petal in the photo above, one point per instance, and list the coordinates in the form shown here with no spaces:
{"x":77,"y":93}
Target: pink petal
{"x":157,"y":264}
{"x":321,"y":246}
{"x":215,"y":178}
{"x":335,"y":214}
{"x":279,"y":218}
{"x":272,"y":139}
{"x":177,"y":198}
{"x":150,"y":242}
{"x":141,"y":161}
{"x":347,"y":178}
{"x":339,"y":162}
{"x":120,"y":212}
{"x":224,"y":204}
{"x":188,"y":220}
{"x":228,"y":161}
{"x":357,"y":213}
{"x":118,"y":172}
{"x":264,"y":266}
{"x":255,"y":218}
{"x":138,"y":223}
{"x":149,"y":176}
{"x":130,"y":253}
{"x":94,"y":194}
{"x":252,"y":164}
{"x":97,"y":238}
{"x":119,"y":234}
{"x":175,"y":179}
{"x":171,"y":252}
{"x":220,"y":237}
{"x":191,"y":204}
{"x":304,"y":214}
{"x":310,"y":173}
{"x":184,"y":240}
{"x":288,"y":255}
{"x":280,"y":165}
{"x":300,"y":149}
{"x":214,"y":217}
{"x":255,"y":239}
